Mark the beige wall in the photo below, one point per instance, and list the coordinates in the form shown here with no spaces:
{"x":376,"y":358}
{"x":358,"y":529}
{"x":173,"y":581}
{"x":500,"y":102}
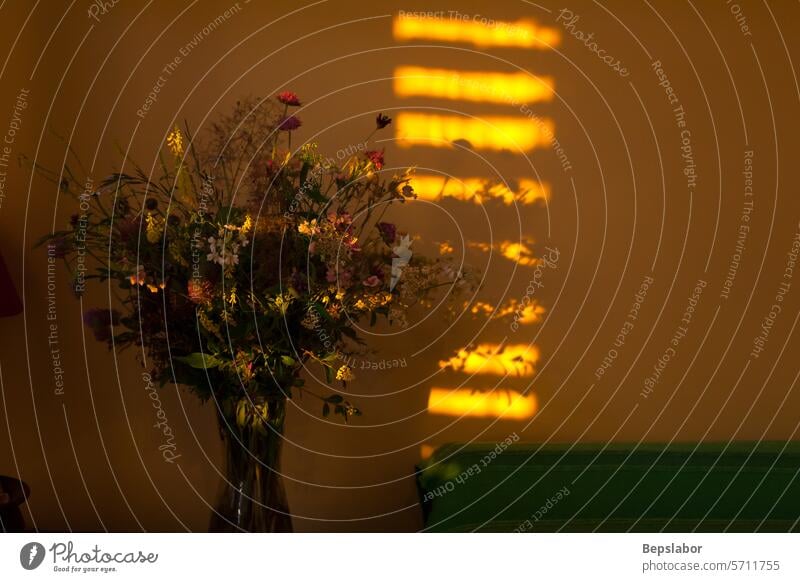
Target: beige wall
{"x":91,"y":454}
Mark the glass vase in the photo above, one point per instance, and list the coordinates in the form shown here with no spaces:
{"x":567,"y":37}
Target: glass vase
{"x":252,"y":497}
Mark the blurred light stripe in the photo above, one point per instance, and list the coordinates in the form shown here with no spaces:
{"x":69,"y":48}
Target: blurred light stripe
{"x":477,"y":86}
{"x":507,"y":404}
{"x":478,"y":190}
{"x":498,"y":33}
{"x":527,"y":314}
{"x":515,"y":251}
{"x":495,"y":359}
{"x":486,"y":133}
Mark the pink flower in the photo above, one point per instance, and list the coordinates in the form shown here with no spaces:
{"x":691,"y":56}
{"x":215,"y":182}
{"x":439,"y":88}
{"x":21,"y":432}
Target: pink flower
{"x":371,"y":281}
{"x":376,"y":157}
{"x":290,"y":123}
{"x":288,"y":98}
{"x":341,"y":220}
{"x":341,"y":277}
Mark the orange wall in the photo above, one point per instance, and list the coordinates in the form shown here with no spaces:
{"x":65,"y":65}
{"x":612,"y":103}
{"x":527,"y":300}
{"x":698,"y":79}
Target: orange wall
{"x":91,"y":454}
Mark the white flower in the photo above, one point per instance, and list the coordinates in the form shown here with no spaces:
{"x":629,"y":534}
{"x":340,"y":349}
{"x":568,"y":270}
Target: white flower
{"x":223,"y":250}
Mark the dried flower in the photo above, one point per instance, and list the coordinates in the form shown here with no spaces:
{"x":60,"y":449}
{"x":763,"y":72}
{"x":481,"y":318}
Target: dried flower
{"x":382,"y":120}
{"x":398,"y":316}
{"x":199,"y":291}
{"x":310,"y":320}
{"x":288,"y":98}
{"x":371,"y":281}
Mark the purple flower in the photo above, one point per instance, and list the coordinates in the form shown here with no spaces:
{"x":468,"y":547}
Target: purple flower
{"x":382,"y":120}
{"x":60,"y":247}
{"x":290,"y":123}
{"x":388,"y":232}
{"x":100,"y":322}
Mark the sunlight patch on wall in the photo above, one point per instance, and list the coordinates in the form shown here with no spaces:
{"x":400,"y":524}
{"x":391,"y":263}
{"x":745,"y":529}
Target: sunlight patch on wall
{"x":476,"y":86}
{"x":502,"y":403}
{"x":487,"y":133}
{"x":495,"y":359}
{"x":516,"y":251}
{"x":480,"y":33}
{"x":525,"y":314}
{"x":478,"y":190}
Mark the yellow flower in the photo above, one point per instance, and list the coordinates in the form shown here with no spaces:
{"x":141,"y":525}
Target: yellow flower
{"x":307,"y":227}
{"x":153,"y":228}
{"x":233,"y":299}
{"x":248,"y":224}
{"x":175,"y":141}
{"x":282,"y":303}
{"x":345,"y":374}
{"x":309,"y":153}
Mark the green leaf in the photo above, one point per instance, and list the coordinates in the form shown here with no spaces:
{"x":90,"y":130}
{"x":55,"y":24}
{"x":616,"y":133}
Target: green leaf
{"x":326,"y":409}
{"x":199,"y":360}
{"x":288,"y":361}
{"x":334,"y":399}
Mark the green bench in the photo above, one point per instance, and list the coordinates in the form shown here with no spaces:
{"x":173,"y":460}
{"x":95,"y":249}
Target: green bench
{"x":711,"y":487}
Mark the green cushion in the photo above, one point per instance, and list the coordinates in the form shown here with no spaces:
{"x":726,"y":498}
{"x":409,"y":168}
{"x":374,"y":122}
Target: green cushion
{"x":710,"y":487}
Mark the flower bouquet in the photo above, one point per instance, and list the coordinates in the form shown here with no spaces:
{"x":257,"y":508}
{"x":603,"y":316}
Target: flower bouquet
{"x":236,"y":263}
